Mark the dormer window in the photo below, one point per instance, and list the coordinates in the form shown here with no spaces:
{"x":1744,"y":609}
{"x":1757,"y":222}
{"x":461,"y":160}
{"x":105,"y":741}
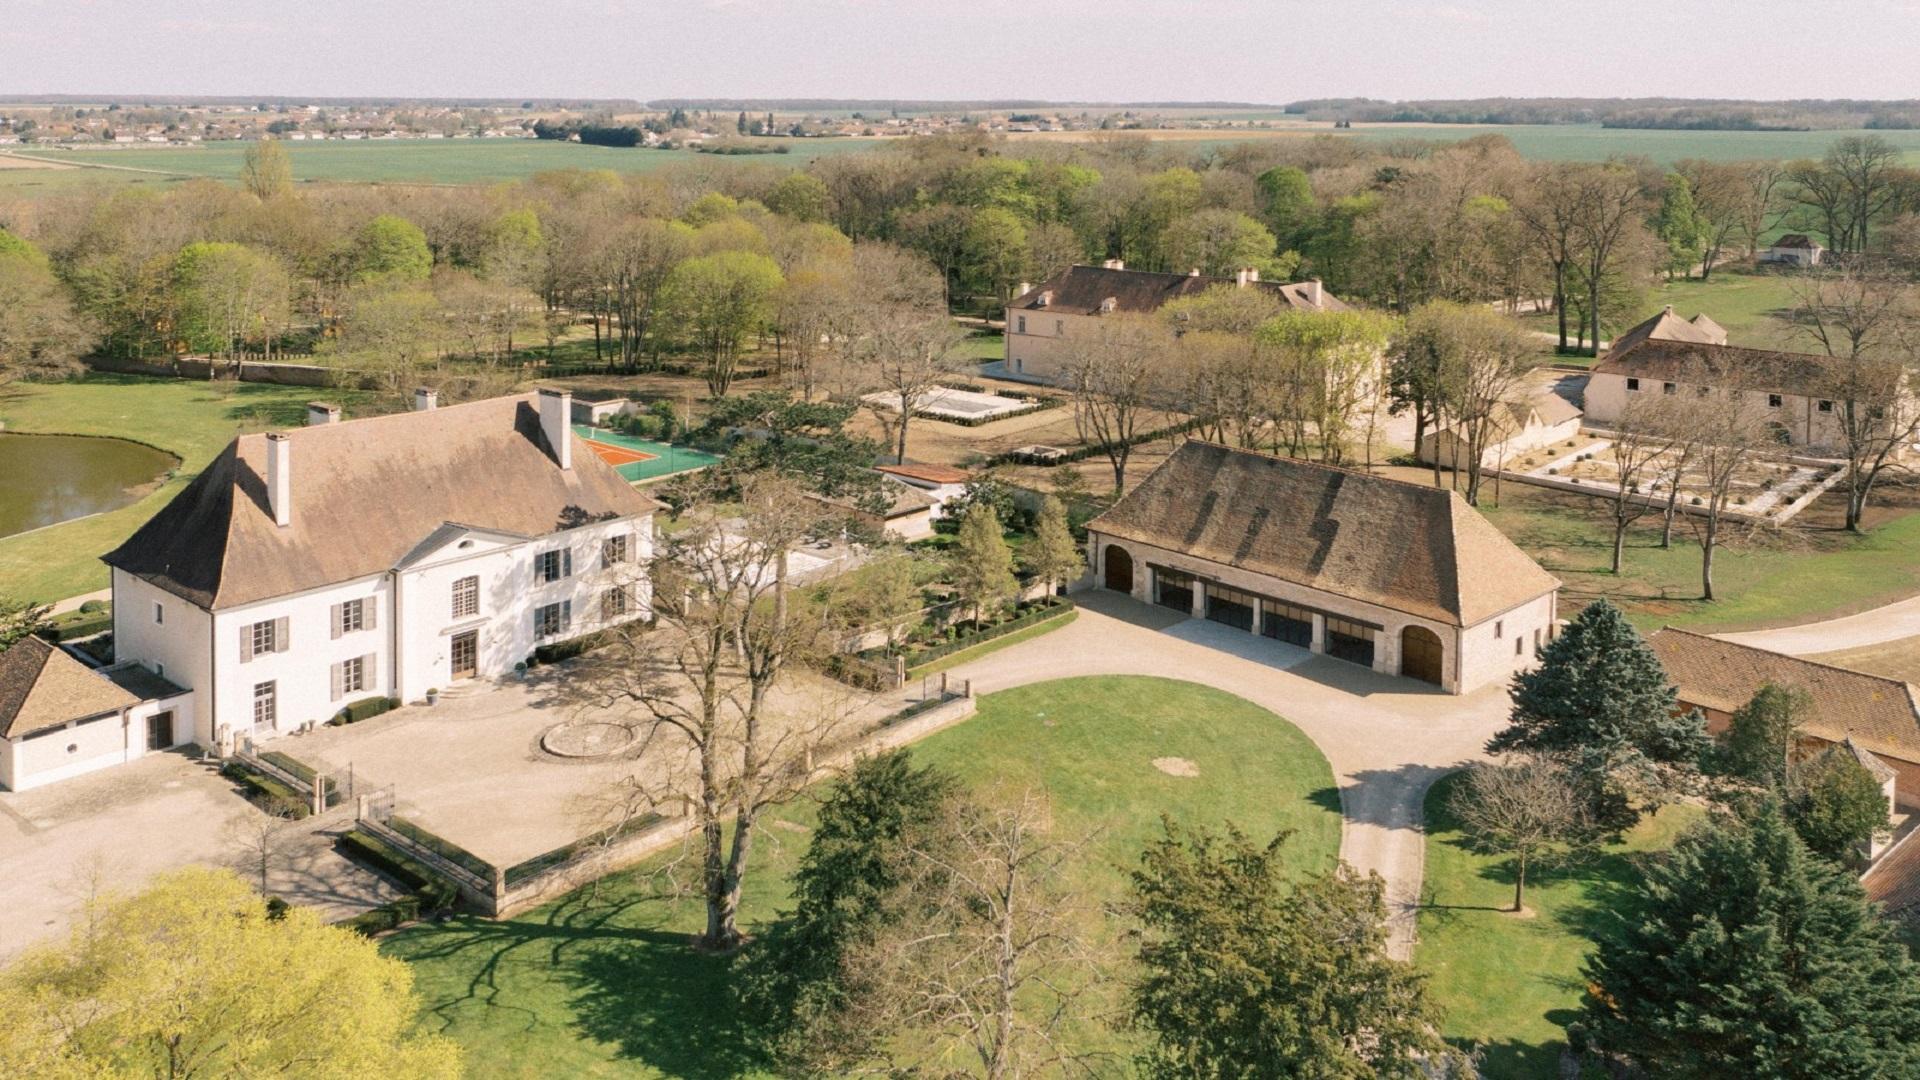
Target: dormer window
{"x":1046,"y":298}
{"x":1107,"y":305}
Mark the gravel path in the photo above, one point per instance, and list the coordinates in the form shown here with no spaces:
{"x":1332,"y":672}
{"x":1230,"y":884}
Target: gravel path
{"x":1896,"y":620}
{"x":1387,"y":739}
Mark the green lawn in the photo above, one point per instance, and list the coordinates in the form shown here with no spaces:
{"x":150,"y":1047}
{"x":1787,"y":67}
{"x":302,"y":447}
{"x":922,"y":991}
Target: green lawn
{"x":1748,"y":303}
{"x":1510,"y":984}
{"x":606,"y":986}
{"x":1816,"y":573}
{"x":192,"y":420}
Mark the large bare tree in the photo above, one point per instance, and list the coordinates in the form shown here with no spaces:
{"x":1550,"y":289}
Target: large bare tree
{"x":1120,"y":373}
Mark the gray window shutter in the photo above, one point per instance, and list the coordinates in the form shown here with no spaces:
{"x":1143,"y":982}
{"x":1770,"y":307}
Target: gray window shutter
{"x":336,"y":616}
{"x":371,"y":606}
{"x":566,"y":562}
{"x":246,"y":642}
{"x":280,"y":642}
{"x":566,"y":614}
{"x":338,"y":674}
{"x":370,"y":671}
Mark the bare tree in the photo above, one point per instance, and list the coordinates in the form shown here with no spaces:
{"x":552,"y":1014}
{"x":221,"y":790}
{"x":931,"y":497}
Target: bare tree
{"x":1731,"y":434}
{"x":905,"y":355}
{"x":1548,"y":206}
{"x":1869,"y":324}
{"x":1530,"y":811}
{"x":264,"y":840}
{"x":634,"y":259}
{"x":1612,"y":207}
{"x":1640,"y":439}
{"x":1118,"y":374}
{"x":704,"y":684}
{"x":1487,"y":357}
{"x":1000,"y":964}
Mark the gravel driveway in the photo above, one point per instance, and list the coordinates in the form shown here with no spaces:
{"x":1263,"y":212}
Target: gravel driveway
{"x":1387,"y":739}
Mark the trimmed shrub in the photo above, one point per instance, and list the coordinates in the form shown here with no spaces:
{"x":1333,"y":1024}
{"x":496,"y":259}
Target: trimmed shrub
{"x":265,"y":792}
{"x":93,"y":607}
{"x":364,"y":709}
{"x":566,"y":650}
{"x":427,"y":894}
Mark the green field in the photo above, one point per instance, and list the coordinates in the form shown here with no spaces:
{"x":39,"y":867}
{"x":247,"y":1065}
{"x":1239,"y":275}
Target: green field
{"x":606,"y":985}
{"x":192,"y":420}
{"x":1751,"y":304}
{"x":1509,"y":983}
{"x":436,"y":161}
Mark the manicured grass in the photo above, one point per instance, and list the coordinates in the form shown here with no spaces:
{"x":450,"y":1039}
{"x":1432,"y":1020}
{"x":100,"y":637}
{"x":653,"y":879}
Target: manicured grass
{"x":1750,"y":304}
{"x":1509,"y":984}
{"x":987,"y":648}
{"x":1812,"y":574}
{"x":191,"y":419}
{"x":605,"y":985}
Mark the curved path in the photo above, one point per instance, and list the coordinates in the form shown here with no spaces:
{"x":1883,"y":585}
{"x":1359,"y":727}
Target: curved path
{"x":1387,"y":739}
{"x":1888,"y":623}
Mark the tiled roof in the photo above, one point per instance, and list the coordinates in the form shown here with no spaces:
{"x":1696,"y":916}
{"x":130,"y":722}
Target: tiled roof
{"x":1877,"y":713}
{"x":1409,"y":547}
{"x":931,"y":474}
{"x":42,"y":688}
{"x":365,"y":492}
{"x":1894,"y":881}
{"x":1083,"y":290}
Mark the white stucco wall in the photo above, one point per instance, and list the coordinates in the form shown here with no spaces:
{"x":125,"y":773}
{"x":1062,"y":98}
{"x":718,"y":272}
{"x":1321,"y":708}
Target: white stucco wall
{"x":179,"y":648}
{"x":1471,"y":657}
{"x":1799,"y":416}
{"x":1040,"y":349}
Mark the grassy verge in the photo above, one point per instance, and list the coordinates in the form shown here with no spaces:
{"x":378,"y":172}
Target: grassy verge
{"x":1750,"y":304}
{"x":987,"y":648}
{"x":1510,"y":983}
{"x":190,"y":419}
{"x":603,"y":982}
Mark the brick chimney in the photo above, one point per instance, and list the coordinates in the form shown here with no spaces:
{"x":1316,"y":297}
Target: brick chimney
{"x":320,"y":413}
{"x":556,"y":413}
{"x":1024,"y":288}
{"x":1314,"y":291}
{"x":280,"y":477}
{"x":1114,"y":264}
{"x":425,"y":399}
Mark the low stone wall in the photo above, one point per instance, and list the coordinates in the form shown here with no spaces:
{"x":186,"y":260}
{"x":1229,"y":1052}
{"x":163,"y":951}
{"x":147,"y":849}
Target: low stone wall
{"x":205,"y":368}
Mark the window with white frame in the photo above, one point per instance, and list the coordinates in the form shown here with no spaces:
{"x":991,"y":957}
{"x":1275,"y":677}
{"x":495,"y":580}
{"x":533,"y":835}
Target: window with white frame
{"x":614,"y":550}
{"x":613,"y":603}
{"x":550,"y":620}
{"x":265,"y":705}
{"x":466,"y":598}
{"x":353,"y":616}
{"x":159,"y":614}
{"x":1021,"y":325}
{"x":353,"y":675}
{"x":265,"y":636}
{"x":552,"y":565}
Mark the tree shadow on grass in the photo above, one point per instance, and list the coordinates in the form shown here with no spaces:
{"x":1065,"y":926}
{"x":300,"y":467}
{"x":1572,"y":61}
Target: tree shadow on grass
{"x":663,"y":1003}
{"x":1511,"y":1059}
{"x":1326,"y":798}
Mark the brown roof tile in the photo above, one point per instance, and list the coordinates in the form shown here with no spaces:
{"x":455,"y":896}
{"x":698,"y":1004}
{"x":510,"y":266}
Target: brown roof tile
{"x":1894,"y":881}
{"x":1082,"y":290}
{"x":365,"y":492}
{"x":43,"y":688}
{"x":1877,"y":713}
{"x":930,"y":474}
{"x":1409,"y":547}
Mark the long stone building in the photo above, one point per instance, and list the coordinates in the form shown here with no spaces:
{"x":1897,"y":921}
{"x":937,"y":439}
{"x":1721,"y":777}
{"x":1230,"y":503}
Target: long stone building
{"x":1398,"y":577}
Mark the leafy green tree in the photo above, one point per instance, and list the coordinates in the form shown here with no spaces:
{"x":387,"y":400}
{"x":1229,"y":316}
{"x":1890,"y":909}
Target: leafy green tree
{"x":515,"y":249}
{"x":802,"y":197}
{"x":1742,"y":955}
{"x":1286,"y":200}
{"x":1680,"y":227}
{"x":267,"y":171}
{"x":229,"y":295}
{"x":194,"y":977}
{"x":390,"y":248}
{"x":982,"y":564}
{"x":852,"y":882}
{"x":719,"y":300}
{"x":996,"y":253}
{"x":1220,"y":242}
{"x":1836,"y":805}
{"x":1759,"y":739}
{"x":1053,"y":557}
{"x":20,"y":618}
{"x":1242,"y":975}
{"x":1600,"y":699}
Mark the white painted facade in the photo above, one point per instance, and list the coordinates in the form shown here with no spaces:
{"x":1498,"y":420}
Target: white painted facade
{"x":1489,"y":652}
{"x":97,"y":742}
{"x":404,"y":646}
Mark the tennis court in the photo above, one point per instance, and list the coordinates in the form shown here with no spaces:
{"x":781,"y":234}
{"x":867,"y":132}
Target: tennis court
{"x":641,"y":459}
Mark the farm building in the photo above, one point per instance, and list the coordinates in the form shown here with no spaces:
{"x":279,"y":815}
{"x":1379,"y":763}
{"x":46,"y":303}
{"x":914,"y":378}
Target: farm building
{"x":1793,"y":249}
{"x":943,"y":482}
{"x":1517,"y":427}
{"x":909,"y":514}
{"x":1877,"y":716}
{"x":1669,"y":355}
{"x":1402,"y":578}
{"x":1042,"y":318}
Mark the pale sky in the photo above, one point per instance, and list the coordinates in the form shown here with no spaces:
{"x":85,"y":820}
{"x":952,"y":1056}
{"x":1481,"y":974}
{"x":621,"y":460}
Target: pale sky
{"x":1269,"y":51}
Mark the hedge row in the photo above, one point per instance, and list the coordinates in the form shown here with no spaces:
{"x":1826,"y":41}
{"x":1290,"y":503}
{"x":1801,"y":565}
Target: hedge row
{"x":444,"y":848}
{"x":557,"y":651}
{"x":858,"y":672}
{"x":363,"y":709}
{"x":303,"y":772}
{"x":1082,"y":453}
{"x":914,"y":710}
{"x":426,"y":892}
{"x":1031,"y":407}
{"x":522,"y":871}
{"x":265,"y":792}
{"x":1039,"y":612}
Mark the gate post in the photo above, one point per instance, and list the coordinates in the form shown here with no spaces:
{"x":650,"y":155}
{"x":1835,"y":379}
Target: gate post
{"x":319,"y":793}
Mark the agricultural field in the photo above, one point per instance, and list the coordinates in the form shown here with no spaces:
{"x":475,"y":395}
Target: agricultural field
{"x":434,"y":161}
{"x":603,"y":983}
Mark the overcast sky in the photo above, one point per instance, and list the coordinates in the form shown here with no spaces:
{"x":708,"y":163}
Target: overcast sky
{"x":1093,"y":50}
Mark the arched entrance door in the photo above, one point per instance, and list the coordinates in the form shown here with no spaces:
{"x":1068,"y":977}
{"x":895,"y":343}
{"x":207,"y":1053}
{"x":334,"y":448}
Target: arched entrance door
{"x":1119,"y":570}
{"x":1421,"y":656}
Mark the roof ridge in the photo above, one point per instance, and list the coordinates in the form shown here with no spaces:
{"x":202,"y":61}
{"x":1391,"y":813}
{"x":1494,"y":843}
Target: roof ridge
{"x":1329,"y":467}
{"x":346,"y":421}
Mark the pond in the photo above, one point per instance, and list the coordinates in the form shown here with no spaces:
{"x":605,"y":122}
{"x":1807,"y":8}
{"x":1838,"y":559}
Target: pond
{"x":46,"y":479}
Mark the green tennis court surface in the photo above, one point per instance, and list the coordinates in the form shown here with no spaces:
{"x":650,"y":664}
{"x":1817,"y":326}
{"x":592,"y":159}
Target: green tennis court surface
{"x":642,"y":459}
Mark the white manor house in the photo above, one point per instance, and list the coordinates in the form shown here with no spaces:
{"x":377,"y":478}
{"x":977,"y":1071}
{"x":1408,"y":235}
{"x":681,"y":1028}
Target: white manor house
{"x":308,"y":569}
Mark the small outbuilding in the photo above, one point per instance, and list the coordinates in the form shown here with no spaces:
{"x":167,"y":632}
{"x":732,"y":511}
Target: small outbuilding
{"x":1517,"y":427}
{"x":1793,"y":249}
{"x":60,"y":718}
{"x":1402,"y":578}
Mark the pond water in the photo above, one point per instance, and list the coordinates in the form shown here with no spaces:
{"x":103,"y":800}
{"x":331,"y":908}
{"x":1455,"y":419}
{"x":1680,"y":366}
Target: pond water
{"x":46,"y":479}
